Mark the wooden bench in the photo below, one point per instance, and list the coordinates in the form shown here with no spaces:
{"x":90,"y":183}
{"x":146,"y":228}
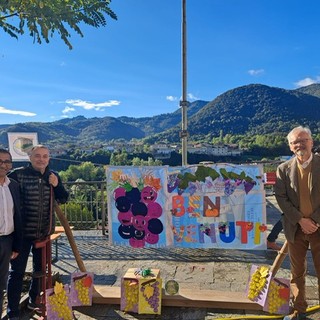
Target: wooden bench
{"x":54,"y":238}
{"x":187,"y":297}
{"x":58,"y":231}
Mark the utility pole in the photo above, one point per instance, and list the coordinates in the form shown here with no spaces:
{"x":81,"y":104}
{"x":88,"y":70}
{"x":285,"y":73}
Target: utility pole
{"x":184,"y":103}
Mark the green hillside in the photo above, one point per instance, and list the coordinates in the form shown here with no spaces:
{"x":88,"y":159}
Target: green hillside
{"x":253,"y":109}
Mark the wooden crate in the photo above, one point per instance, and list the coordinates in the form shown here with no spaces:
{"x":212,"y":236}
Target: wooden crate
{"x":141,"y":294}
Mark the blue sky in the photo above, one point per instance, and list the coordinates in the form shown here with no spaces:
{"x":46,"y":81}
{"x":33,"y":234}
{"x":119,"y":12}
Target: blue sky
{"x":132,"y":67}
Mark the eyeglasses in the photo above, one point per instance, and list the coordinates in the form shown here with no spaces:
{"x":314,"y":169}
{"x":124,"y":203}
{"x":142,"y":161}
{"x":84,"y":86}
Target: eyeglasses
{"x":302,"y":141}
{"x":6,"y":162}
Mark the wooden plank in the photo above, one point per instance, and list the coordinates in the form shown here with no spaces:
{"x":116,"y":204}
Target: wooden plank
{"x":186,"y":298}
{"x":106,"y":295}
{"x":60,"y":229}
{"x":55,"y":236}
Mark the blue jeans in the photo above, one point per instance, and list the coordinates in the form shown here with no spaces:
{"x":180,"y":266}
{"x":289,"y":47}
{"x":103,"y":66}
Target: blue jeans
{"x":277,"y":228}
{"x":16,"y":273}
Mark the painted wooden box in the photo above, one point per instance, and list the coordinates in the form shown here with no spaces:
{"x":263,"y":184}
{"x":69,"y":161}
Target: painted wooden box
{"x":141,"y":293}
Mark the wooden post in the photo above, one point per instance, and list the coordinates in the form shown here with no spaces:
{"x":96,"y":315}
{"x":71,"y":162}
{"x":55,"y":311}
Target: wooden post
{"x":65,"y":223}
{"x":279,"y":259}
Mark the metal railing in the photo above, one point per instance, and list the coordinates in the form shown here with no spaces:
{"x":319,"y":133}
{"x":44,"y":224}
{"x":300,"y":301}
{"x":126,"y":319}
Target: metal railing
{"x":86,"y":206}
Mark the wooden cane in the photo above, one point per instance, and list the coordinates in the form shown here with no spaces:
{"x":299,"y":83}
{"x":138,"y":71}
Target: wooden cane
{"x":65,"y":223}
{"x":282,"y":253}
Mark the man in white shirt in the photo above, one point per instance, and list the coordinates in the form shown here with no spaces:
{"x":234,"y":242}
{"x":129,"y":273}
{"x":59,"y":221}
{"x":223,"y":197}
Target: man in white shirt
{"x":10,"y":220}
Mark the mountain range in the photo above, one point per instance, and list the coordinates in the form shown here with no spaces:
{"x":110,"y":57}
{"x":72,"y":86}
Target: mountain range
{"x":248,"y":110}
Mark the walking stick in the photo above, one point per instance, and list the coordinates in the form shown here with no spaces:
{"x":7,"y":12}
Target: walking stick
{"x":65,"y":223}
{"x":279,"y":259}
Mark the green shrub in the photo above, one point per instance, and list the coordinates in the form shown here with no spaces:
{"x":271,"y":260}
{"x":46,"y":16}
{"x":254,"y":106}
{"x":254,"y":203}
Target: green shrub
{"x":78,"y":216}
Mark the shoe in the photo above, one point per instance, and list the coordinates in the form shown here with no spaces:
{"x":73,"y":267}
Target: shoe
{"x":296,"y":316}
{"x":34,"y":306}
{"x":273,"y":246}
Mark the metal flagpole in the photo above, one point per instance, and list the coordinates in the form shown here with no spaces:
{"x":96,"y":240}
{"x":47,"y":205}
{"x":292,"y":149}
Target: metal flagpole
{"x":184,"y":103}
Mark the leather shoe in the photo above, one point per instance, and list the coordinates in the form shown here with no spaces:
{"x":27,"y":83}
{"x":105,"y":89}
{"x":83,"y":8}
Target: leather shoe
{"x":273,"y":246}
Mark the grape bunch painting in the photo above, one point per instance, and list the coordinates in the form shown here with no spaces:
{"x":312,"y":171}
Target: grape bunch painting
{"x":81,"y":288}
{"x":150,"y":296}
{"x":139,"y":212}
{"x":141,"y":291}
{"x":58,"y":303}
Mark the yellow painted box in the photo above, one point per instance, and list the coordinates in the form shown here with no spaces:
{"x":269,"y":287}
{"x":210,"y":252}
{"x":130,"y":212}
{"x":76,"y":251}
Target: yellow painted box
{"x":141,"y":294}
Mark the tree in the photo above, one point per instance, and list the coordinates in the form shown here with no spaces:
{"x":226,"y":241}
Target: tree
{"x":78,"y":215}
{"x":120,"y":159}
{"x":86,"y":171}
{"x":136,"y":161}
{"x":45,"y":17}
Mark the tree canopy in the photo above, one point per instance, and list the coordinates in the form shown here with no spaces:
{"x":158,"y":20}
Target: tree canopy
{"x":42,"y":18}
{"x":86,"y":171}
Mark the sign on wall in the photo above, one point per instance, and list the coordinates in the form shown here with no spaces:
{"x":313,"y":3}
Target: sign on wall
{"x":21,"y":143}
{"x":201,"y":206}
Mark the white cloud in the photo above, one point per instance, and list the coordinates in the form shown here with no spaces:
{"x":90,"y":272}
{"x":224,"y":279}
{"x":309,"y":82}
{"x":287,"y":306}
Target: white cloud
{"x":191,"y":96}
{"x":17,"y":112}
{"x":171,"y":98}
{"x":67,"y":110}
{"x":92,"y":106}
{"x":307,"y":81}
{"x":255,"y":72}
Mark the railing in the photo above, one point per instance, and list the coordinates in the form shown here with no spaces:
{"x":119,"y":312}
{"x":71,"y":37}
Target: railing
{"x":86,"y":207}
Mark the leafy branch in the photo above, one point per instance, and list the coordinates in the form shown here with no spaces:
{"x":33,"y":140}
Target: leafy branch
{"x":42,"y":18}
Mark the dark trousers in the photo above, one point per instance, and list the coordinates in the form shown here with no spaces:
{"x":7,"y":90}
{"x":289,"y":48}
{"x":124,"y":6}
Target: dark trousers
{"x":5,"y":255}
{"x":15,"y":279}
{"x":277,"y":228}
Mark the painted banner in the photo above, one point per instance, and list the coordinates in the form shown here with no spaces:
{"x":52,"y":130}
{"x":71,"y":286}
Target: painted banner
{"x":201,"y":206}
{"x":136,"y":201}
{"x":217,"y":206}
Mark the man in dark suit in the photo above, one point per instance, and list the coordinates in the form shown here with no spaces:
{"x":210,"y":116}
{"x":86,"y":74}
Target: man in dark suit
{"x":10,"y":220}
{"x":297,"y":191}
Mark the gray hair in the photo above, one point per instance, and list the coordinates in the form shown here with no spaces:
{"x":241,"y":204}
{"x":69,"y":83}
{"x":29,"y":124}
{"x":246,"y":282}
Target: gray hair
{"x":299,"y":129}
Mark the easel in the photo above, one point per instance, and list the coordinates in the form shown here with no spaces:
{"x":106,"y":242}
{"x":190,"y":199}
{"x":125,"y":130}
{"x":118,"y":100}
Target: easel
{"x":65,"y":224}
{"x":46,"y":274}
{"x":279,"y":258}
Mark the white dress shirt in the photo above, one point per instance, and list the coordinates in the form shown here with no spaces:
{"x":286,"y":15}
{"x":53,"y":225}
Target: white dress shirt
{"x":6,"y":209}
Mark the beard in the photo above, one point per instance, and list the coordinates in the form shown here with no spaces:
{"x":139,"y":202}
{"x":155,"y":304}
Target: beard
{"x":300,"y":153}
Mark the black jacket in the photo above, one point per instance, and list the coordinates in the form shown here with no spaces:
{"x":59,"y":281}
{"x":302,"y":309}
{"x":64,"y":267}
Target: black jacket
{"x":37,"y":200}
{"x":17,"y":234}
